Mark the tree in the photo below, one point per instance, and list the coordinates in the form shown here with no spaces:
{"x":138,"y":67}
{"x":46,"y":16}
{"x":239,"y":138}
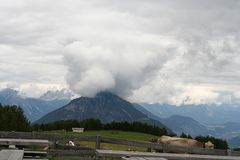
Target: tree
{"x":218,"y":143}
{"x":183,"y":135}
{"x":13,"y":119}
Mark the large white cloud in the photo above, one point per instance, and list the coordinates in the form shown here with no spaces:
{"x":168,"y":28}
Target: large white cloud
{"x":147,"y":51}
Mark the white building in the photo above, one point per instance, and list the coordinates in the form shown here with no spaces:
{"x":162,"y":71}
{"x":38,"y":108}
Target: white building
{"x":79,"y":130}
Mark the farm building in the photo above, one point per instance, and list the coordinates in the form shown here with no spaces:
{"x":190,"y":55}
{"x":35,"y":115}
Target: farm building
{"x":79,"y":130}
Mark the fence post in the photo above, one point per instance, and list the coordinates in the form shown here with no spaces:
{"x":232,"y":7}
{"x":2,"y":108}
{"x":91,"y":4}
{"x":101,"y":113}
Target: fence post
{"x":149,"y":150}
{"x":33,"y":137}
{"x":55,"y":144}
{"x":165,"y":148}
{"x":98,"y":144}
{"x":96,"y":156}
{"x":98,"y":141}
{"x":229,"y":152}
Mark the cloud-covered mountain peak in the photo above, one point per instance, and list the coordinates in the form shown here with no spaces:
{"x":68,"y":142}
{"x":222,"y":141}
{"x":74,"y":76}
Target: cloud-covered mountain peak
{"x":9,"y":93}
{"x":57,"y":95}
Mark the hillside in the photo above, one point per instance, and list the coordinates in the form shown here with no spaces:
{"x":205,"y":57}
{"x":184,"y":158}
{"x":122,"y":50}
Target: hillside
{"x":234,"y":142}
{"x":177,"y":123}
{"x":105,"y":106}
{"x":146,"y":112}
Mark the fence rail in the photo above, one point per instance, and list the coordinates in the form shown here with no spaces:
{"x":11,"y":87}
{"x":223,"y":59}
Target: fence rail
{"x":47,"y":136}
{"x":98,"y":140}
{"x":156,"y":156}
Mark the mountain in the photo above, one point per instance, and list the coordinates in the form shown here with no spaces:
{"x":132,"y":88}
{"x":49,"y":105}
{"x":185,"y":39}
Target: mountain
{"x":105,"y":106}
{"x":229,"y":131}
{"x":146,"y":112}
{"x":226,"y":128}
{"x":234,"y":142}
{"x":205,"y":114}
{"x":33,"y":108}
{"x":225,"y":131}
{"x":221,"y":121}
{"x":177,"y":123}
{"x":57,"y":95}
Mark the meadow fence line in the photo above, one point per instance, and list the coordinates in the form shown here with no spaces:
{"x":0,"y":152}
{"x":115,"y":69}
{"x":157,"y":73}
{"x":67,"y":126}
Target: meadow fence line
{"x":54,"y":138}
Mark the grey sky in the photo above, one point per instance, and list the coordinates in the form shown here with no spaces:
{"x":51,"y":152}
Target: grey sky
{"x":144,"y":50}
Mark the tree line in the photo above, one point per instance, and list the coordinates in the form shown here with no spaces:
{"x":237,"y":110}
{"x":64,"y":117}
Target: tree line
{"x":218,"y":143}
{"x":95,"y":124}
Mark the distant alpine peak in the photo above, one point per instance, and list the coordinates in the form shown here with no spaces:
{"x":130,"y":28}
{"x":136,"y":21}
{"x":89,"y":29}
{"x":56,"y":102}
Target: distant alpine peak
{"x":8,"y":92}
{"x":57,"y":95}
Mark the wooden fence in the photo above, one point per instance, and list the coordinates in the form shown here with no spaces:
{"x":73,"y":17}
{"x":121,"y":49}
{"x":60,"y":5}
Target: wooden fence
{"x":58,"y":149}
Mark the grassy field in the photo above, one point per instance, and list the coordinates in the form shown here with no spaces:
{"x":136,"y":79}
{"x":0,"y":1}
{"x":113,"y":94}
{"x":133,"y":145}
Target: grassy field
{"x":77,"y":158}
{"x":115,"y":134}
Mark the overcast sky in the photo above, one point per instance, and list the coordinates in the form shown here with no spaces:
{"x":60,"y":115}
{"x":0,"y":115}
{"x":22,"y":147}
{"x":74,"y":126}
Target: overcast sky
{"x":178,"y":51}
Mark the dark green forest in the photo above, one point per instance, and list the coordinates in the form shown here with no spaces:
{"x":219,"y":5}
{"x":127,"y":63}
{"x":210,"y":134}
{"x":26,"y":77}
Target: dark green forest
{"x":13,"y":119}
{"x":95,"y":124}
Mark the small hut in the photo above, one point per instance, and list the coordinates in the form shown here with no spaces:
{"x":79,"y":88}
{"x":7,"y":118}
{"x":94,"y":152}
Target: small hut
{"x":78,"y":130}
